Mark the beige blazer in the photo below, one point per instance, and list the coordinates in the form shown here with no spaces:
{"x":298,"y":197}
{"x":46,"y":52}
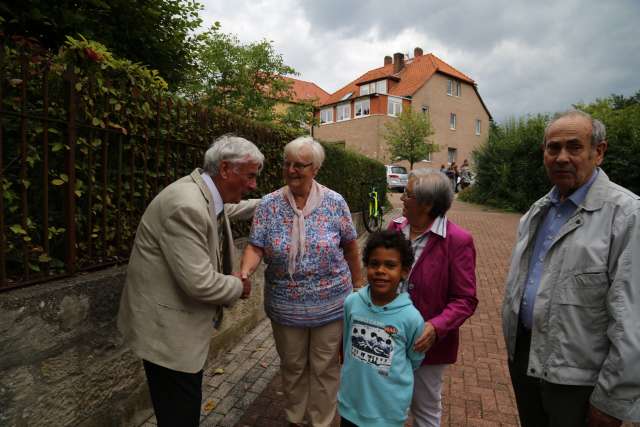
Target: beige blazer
{"x":174,"y":287}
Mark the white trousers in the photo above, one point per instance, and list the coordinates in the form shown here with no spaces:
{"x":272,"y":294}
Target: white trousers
{"x":426,"y":404}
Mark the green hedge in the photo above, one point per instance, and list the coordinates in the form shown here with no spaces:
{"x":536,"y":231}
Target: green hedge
{"x":344,"y":171}
{"x":509,"y":168}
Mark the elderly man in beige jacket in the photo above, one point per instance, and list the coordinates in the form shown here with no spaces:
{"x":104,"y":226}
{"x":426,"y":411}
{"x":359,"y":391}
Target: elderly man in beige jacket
{"x":179,"y":275}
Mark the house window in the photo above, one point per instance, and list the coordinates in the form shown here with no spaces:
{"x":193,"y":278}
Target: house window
{"x":381,"y":86}
{"x":344,"y":112}
{"x":452,"y":154}
{"x":453,"y":120}
{"x":326,"y":115}
{"x":427,"y":157}
{"x":362,"y":108}
{"x":364,"y":90}
{"x":394,"y":106}
{"x":454,"y":87}
{"x":478,"y":124}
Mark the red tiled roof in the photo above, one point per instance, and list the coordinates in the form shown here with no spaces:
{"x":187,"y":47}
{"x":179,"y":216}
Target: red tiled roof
{"x":307,"y":91}
{"x":414,"y":74}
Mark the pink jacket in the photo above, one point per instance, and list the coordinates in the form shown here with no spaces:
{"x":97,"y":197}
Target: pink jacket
{"x":444,"y":288}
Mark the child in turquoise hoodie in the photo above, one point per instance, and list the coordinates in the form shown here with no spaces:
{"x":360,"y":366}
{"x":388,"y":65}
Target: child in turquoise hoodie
{"x":380,"y":328}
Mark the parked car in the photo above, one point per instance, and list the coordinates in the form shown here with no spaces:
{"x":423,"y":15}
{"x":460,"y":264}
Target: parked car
{"x":396,"y":177}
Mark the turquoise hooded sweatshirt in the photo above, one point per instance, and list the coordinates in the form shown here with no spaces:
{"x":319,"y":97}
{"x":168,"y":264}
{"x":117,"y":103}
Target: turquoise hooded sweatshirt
{"x":376,"y":381}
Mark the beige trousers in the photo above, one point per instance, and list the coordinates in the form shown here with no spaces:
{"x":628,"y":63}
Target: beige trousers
{"x":310,"y":371}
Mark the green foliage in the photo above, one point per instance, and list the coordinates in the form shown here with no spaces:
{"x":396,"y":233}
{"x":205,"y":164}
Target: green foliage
{"x":156,"y":33}
{"x":298,"y":116}
{"x":132,"y":138}
{"x":345,"y":171}
{"x":408,"y":136}
{"x":621,"y":116}
{"x":509,"y":168}
{"x":241,"y":78}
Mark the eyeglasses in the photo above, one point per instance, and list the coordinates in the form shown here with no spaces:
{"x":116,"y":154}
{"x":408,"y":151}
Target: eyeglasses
{"x":298,"y":167}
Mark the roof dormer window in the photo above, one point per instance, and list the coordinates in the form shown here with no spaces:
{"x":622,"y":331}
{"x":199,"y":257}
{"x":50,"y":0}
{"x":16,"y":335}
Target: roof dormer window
{"x":374,"y":87}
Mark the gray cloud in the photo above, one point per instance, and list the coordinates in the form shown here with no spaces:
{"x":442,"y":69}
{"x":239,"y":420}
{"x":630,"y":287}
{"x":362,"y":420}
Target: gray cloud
{"x":527,"y":57}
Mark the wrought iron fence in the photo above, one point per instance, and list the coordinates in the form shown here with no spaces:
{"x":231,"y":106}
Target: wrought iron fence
{"x":73,"y":185}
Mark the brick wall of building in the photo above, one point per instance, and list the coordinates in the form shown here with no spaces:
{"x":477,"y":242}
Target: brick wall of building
{"x":467,"y":108}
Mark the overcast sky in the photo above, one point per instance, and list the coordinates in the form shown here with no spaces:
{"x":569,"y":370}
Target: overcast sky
{"x":526,"y":56}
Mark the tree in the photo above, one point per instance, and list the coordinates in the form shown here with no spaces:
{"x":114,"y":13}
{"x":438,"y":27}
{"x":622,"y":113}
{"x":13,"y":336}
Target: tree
{"x":407,"y":137}
{"x":156,"y":33}
{"x":242,"y":78}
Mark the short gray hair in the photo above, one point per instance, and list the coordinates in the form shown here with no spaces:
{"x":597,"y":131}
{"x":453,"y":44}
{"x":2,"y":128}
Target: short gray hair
{"x":432,"y":187}
{"x":317,"y":152}
{"x":598,"y":130}
{"x":231,"y":148}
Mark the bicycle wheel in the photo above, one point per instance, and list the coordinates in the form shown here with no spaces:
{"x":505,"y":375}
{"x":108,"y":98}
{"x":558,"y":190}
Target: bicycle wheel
{"x":373,"y":222}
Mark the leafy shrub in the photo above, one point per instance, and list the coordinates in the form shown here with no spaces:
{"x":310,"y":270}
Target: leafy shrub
{"x":509,"y":169}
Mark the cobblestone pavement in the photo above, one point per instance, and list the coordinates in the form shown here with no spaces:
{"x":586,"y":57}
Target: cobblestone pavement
{"x":242,"y":387}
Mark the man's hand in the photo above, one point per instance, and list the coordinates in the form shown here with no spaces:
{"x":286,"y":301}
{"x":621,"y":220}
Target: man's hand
{"x":597,"y":418}
{"x":246,"y":284}
{"x":427,"y":338}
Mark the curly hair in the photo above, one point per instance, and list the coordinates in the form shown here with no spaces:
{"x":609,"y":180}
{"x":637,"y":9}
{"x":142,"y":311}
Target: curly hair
{"x":389,"y":239}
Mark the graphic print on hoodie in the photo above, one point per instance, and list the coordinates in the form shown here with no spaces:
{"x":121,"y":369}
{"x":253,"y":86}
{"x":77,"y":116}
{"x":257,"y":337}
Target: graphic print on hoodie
{"x":376,"y":381}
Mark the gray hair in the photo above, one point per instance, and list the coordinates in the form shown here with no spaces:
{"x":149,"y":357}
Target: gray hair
{"x":432,"y":187}
{"x":231,"y":148}
{"x":598,"y":130}
{"x":317,"y":152}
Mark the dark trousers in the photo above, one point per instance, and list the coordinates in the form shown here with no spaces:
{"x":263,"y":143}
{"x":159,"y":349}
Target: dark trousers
{"x":541,"y":403}
{"x":176,"y":396}
{"x":346,"y":423}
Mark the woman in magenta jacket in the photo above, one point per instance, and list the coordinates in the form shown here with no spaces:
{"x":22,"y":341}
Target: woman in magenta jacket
{"x":442,"y":283}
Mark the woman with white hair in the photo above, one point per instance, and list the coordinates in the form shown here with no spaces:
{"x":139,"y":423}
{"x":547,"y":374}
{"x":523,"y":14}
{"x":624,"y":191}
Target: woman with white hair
{"x":305,"y":235}
{"x":442,"y":283}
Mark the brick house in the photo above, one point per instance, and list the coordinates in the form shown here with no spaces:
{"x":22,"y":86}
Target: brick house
{"x":356,"y":114}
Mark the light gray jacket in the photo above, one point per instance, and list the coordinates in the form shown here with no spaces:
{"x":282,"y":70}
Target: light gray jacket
{"x":586,"y":319}
{"x":174,"y":285}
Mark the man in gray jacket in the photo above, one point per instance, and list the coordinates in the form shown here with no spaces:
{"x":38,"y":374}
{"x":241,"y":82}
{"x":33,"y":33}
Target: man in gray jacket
{"x":179,"y":275}
{"x":571,"y":313}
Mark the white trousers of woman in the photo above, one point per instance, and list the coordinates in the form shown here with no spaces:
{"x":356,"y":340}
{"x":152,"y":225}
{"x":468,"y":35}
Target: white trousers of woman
{"x":426,"y":404}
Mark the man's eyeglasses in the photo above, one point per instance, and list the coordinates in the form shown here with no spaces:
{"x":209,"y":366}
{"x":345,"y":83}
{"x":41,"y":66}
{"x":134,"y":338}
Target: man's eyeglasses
{"x":297,"y":166}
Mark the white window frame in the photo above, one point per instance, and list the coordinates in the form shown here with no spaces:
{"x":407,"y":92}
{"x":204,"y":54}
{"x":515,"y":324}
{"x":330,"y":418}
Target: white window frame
{"x":381,"y":86}
{"x":428,"y":158}
{"x":343,"y":112}
{"x":364,"y":90}
{"x":478,"y":126}
{"x":394,"y":106}
{"x":453,"y":121}
{"x":360,"y":105}
{"x":323,"y":115}
{"x":454,"y":88}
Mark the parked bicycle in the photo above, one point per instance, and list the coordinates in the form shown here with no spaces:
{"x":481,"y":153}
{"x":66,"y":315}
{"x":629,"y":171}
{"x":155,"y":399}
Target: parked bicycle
{"x":372,"y":213}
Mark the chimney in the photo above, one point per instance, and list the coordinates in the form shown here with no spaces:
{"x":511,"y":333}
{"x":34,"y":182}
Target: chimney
{"x":398,"y":62}
{"x":417,"y":52}
{"x":388,"y":60}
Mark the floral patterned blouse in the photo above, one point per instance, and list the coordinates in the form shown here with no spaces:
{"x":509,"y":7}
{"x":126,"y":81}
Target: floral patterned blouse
{"x":314,"y":295}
